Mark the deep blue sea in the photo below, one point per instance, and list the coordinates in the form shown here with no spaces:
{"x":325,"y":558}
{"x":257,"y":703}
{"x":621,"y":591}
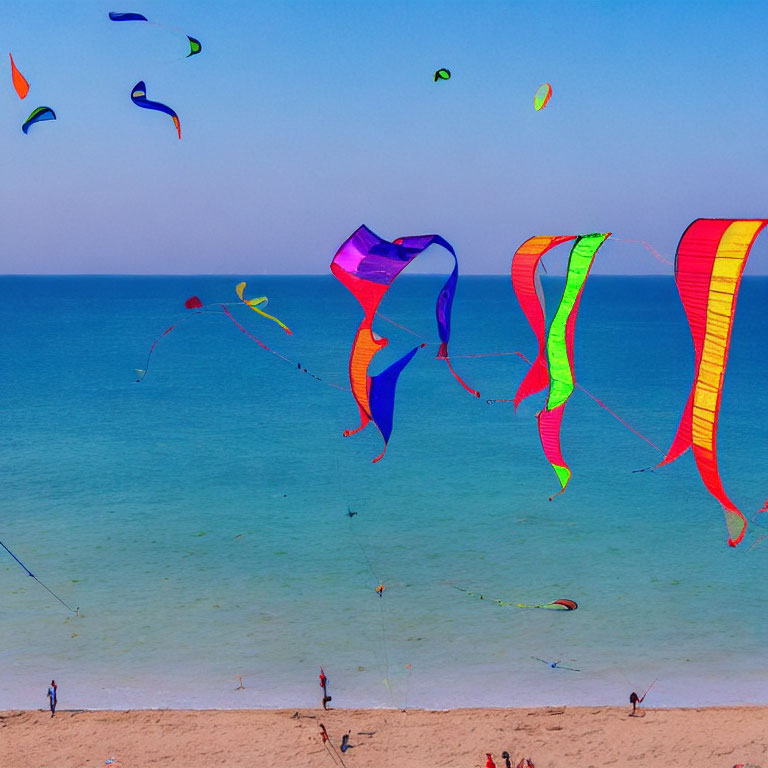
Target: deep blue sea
{"x":199,"y":518}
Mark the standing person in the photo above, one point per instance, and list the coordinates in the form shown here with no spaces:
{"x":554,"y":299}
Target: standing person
{"x":52,"y":697}
{"x":324,"y":686}
{"x":634,"y":700}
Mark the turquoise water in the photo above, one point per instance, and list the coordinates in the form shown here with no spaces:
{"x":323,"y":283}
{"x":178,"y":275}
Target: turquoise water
{"x":199,"y":519}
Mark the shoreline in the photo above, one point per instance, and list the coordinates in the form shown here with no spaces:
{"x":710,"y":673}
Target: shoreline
{"x":552,"y":737}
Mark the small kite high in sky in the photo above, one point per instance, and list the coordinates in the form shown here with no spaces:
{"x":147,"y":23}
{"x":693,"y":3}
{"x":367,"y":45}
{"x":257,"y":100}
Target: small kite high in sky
{"x":367,"y":266}
{"x":139,"y":98}
{"x":709,"y":263}
{"x":117,"y":16}
{"x":542,"y":97}
{"x":37,"y":116}
{"x":558,"y":373}
{"x":442,"y":74}
{"x":194,"y":46}
{"x":19,"y":81}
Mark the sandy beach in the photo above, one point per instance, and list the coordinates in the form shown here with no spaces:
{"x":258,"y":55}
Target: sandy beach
{"x":716,"y":737}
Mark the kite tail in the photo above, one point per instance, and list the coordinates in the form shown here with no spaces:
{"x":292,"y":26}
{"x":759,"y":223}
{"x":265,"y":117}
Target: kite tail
{"x":365,"y":419}
{"x":247,"y":333}
{"x":443,"y":355}
{"x":562,"y":490}
{"x":380,"y":456}
{"x":271,"y":317}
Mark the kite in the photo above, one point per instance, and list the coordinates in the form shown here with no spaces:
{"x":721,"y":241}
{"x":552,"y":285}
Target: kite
{"x":37,"y":116}
{"x":139,"y":98}
{"x":367,"y":266}
{"x":254,"y":305}
{"x":562,"y":604}
{"x":194,"y":46}
{"x":709,"y":263}
{"x":116,"y":16}
{"x":442,"y":74}
{"x":560,"y":353}
{"x":197,"y":307}
{"x":559,"y":343}
{"x":555,"y":664}
{"x":542,"y":97}
{"x":526,"y":282}
{"x":19,"y":81}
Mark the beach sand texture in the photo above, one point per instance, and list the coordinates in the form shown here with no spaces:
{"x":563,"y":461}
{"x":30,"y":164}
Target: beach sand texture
{"x":578,"y":737}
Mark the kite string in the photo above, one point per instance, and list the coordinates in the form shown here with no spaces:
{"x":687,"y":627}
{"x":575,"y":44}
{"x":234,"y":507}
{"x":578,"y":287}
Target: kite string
{"x":331,"y":748}
{"x":282,"y":357}
{"x":381,"y":609}
{"x":619,"y":419}
{"x":648,"y":689}
{"x":441,"y":355}
{"x":648,"y":247}
{"x":523,"y":357}
{"x":29,"y":573}
{"x":225,"y":311}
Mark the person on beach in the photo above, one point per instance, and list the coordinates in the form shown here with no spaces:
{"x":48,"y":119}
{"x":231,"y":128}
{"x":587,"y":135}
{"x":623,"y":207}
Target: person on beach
{"x":507,"y":762}
{"x":323,"y":685}
{"x":52,"y":697}
{"x":634,"y":700}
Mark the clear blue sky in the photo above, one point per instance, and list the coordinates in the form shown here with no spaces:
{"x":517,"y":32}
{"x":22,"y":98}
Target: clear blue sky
{"x":302,"y":120}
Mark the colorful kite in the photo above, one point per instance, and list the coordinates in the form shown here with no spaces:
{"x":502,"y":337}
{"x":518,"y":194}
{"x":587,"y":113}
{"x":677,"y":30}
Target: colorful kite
{"x":526,"y":282}
{"x":542,"y":97}
{"x":139,"y":98}
{"x":19,"y":81}
{"x":442,"y":74}
{"x":560,"y":353}
{"x":367,"y":266}
{"x":37,"y":116}
{"x":708,"y":266}
{"x":556,"y":370}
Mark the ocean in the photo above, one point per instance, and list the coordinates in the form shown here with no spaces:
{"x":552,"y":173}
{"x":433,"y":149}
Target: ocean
{"x":199,"y":518}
